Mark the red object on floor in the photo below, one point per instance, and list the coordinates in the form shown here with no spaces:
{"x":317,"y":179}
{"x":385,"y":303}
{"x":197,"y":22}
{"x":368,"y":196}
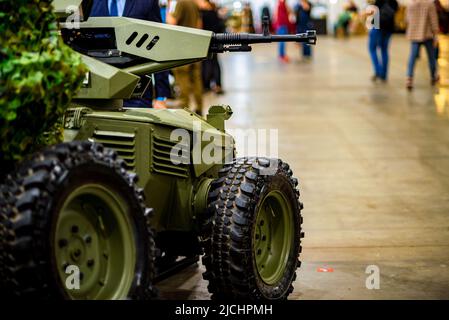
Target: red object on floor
{"x":325,"y":270}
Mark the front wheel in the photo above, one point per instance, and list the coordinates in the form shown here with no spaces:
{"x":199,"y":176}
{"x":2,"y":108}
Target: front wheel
{"x":252,"y":240}
{"x":75,"y":226}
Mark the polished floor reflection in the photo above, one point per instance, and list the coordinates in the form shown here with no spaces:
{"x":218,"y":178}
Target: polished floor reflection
{"x":373,"y":161}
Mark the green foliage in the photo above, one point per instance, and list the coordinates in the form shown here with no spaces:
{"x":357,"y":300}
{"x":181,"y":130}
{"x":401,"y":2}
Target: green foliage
{"x":38,"y":77}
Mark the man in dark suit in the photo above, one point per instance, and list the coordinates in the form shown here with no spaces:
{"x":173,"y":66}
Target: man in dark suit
{"x":144,"y":10}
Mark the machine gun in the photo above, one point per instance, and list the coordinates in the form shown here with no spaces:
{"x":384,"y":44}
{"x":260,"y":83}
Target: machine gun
{"x":235,"y":42}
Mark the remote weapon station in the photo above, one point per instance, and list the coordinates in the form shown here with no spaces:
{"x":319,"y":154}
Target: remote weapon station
{"x":77,"y":211}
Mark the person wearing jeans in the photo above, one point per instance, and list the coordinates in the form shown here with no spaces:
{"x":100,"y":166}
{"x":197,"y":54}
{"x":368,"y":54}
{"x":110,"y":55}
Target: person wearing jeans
{"x":282,"y":30}
{"x":414,"y":52}
{"x":422,"y":29}
{"x":282,"y":26}
{"x":379,"y":37}
{"x":379,"y":40}
{"x":302,"y":10}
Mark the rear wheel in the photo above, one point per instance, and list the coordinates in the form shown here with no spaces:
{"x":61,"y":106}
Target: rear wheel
{"x":252,"y":240}
{"x":74,"y":213}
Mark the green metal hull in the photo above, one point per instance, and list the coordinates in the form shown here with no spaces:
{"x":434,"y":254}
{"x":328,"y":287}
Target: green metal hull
{"x":142,"y":137}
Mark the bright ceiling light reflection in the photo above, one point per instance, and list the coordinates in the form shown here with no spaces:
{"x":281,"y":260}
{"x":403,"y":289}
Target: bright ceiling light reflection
{"x":442,"y":101}
{"x":237,"y":5}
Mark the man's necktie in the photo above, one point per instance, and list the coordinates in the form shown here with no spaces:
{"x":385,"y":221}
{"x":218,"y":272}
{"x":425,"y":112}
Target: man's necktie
{"x":113,"y":11}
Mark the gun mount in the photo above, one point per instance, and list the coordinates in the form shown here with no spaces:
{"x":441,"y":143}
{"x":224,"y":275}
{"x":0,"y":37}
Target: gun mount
{"x":120,"y":51}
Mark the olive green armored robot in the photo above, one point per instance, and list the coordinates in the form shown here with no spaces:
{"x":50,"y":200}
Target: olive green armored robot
{"x":130,"y":194}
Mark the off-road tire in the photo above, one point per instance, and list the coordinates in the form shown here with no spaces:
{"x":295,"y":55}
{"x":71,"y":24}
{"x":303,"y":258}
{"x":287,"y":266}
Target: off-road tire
{"x":228,"y":233}
{"x":27,"y":215}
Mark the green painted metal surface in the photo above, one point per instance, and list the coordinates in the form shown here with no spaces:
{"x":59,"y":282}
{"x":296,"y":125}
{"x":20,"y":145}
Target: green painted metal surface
{"x":273,"y":236}
{"x":106,"y":82}
{"x":163,"y":46}
{"x":174,"y":43}
{"x":143,"y":138}
{"x":93,"y":232}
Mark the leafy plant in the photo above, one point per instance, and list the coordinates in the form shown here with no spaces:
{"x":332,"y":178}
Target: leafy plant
{"x":39,"y":75}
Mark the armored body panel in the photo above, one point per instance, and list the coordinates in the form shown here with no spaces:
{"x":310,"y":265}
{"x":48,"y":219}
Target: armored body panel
{"x":144,"y":139}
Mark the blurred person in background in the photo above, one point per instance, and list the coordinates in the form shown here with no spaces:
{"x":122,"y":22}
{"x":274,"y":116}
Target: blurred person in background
{"x":211,"y":70}
{"x":186,"y":13}
{"x":443,"y":22}
{"x":302,"y":11}
{"x":163,"y":5}
{"x":247,"y":18}
{"x":352,"y":7}
{"x":379,"y":37}
{"x":341,"y":27}
{"x":283,"y":25}
{"x":422,"y":29}
{"x":266,"y":13}
{"x":443,"y":17}
{"x":143,"y":10}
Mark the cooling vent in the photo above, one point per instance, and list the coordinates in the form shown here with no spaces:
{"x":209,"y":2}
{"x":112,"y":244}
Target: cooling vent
{"x":123,"y":143}
{"x":161,"y":158}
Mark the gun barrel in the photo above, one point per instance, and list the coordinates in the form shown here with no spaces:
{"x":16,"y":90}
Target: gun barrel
{"x":241,"y":41}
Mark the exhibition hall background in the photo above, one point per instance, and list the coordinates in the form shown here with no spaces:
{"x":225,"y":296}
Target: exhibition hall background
{"x":371,"y":156}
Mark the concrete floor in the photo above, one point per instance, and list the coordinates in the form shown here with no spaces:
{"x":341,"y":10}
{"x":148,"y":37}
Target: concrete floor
{"x":373,"y":161}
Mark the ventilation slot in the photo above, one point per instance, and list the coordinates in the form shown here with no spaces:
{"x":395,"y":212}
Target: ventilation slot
{"x":161,"y":158}
{"x":131,"y":38}
{"x":142,"y":40}
{"x":121,"y":142}
{"x":152,"y":43}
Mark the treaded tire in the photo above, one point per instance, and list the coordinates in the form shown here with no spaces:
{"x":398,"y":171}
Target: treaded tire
{"x":28,"y":211}
{"x":228,"y":234}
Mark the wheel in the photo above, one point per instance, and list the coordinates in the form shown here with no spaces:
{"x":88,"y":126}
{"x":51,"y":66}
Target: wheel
{"x":252,"y":239}
{"x":74,"y":210}
{"x":3,"y":203}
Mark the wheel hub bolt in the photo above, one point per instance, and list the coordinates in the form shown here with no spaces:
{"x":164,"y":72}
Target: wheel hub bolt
{"x":75,"y":229}
{"x":90,"y":262}
{"x":77,"y":253}
{"x":62,"y":243}
{"x":264,"y":238}
{"x":87,"y":239}
{"x":262,"y":223}
{"x":259,"y":252}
